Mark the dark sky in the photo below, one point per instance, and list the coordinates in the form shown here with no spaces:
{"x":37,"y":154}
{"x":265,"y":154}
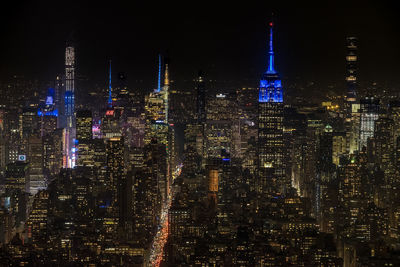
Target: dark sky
{"x":228,"y":42}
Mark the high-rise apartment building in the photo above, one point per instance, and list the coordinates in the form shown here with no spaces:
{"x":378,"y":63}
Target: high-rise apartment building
{"x":69,"y":98}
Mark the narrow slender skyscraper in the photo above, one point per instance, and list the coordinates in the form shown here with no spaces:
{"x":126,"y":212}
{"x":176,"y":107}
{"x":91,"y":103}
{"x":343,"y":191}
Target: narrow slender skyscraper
{"x":69,"y":137}
{"x":270,"y":129}
{"x":201,"y":98}
{"x":159,"y":74}
{"x":109,"y":88}
{"x":351,"y":72}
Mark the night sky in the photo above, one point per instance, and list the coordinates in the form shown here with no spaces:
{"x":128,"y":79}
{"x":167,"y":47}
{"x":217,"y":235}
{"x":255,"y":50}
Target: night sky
{"x":227,"y":42}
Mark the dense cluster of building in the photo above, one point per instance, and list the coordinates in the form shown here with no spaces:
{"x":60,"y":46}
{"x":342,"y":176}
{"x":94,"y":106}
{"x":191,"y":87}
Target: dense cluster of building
{"x":198,"y":177}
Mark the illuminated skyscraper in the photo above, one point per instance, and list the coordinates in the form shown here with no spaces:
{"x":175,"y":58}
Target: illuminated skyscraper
{"x":351,"y":71}
{"x":115,"y":167}
{"x":84,"y":123}
{"x":158,"y":128}
{"x":84,"y":136}
{"x":270,"y":128}
{"x":69,"y":139}
{"x":165,"y":91}
{"x":212,"y":177}
{"x":35,"y":159}
{"x":159,"y":74}
{"x":201,"y":98}
{"x":369,"y":109}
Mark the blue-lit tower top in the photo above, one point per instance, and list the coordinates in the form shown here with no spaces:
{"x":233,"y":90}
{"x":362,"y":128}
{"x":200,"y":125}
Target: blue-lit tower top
{"x":159,"y":74}
{"x":109,"y":88}
{"x":270,"y":83}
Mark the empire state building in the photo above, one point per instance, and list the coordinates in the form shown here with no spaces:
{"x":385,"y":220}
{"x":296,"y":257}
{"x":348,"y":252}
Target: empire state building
{"x":271,"y":174}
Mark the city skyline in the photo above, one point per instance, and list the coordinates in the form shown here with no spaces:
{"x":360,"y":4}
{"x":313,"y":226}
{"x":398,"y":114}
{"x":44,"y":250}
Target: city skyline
{"x":237,"y":164}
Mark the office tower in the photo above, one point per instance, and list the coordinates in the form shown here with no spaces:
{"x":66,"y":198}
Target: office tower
{"x":212,"y":179}
{"x":29,"y":123}
{"x":351,"y":73}
{"x":221,"y":129}
{"x":351,"y":190}
{"x":35,"y":159}
{"x":219,"y":139}
{"x":156,"y":105}
{"x":69,"y":141}
{"x":201,"y":98}
{"x":13,"y":132}
{"x":29,"y":126}
{"x":17,"y":176}
{"x":248,"y":128}
{"x":159,"y":159}
{"x":52,"y":153}
{"x":369,"y":113}
{"x":48,"y":113}
{"x":384,"y":144}
{"x":84,"y":136}
{"x":325,"y":169}
{"x":58,"y":101}
{"x":270,"y":129}
{"x":37,"y":222}
{"x":159,"y":131}
{"x":325,"y":165}
{"x":84,"y":123}
{"x":148,"y":181}
{"x":135,"y":130}
{"x":115,"y":168}
{"x":146,"y":204}
{"x":100,"y":161}
{"x":48,"y":124}
{"x":352,"y":127}
{"x":221,"y":106}
{"x":193,"y":149}
{"x":339,"y":147}
{"x":110,"y":126}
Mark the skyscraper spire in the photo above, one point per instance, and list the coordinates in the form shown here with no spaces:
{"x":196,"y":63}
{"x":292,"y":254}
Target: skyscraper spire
{"x":166,"y":74}
{"x":109,"y":88}
{"x":159,"y":73}
{"x":166,"y":90}
{"x":271,"y":68}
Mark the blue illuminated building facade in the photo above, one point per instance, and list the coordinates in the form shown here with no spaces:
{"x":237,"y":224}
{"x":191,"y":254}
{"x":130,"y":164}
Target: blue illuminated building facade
{"x":271,"y":175}
{"x":270,"y":83}
{"x":159,"y":74}
{"x":49,"y":108}
{"x":69,"y":98}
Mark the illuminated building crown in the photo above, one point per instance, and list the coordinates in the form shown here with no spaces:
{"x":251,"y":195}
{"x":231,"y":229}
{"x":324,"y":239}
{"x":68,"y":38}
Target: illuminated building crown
{"x":270,"y":83}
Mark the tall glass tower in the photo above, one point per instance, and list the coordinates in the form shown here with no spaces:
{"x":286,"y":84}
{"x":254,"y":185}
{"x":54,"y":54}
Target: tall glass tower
{"x":69,"y":135}
{"x":270,"y":129}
